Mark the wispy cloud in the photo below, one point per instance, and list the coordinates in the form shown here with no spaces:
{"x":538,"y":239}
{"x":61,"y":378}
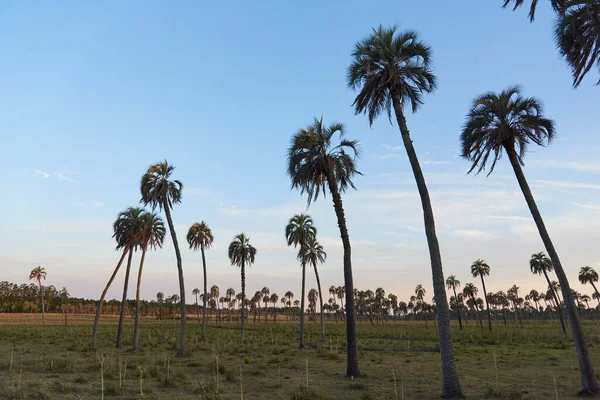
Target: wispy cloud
{"x":392,"y":148}
{"x":570,"y":165}
{"x":91,"y":204}
{"x":63,"y":177}
{"x":42,"y":173}
{"x":435,"y":162}
{"x":588,"y":206}
{"x":564,"y":184}
{"x":472,"y":234}
{"x":390,"y":155}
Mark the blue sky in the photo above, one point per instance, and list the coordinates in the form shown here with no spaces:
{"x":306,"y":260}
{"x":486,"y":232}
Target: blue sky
{"x":95,"y":92}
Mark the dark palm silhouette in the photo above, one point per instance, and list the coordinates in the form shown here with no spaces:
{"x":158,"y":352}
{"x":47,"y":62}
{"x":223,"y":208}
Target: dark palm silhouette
{"x":480,"y":269}
{"x":313,"y":254}
{"x":453,"y":283}
{"x":541,"y":265}
{"x":200,"y":237}
{"x":589,"y":275}
{"x":392,"y":70}
{"x":159,"y":191}
{"x":298,"y":232}
{"x":242,"y":254}
{"x":314,"y":163}
{"x":510,"y":122}
{"x":152,"y":235}
{"x":38,"y":274}
{"x":471,"y":291}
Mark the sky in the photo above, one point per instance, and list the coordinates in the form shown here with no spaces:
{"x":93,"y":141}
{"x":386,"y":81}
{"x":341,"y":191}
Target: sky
{"x":95,"y":92}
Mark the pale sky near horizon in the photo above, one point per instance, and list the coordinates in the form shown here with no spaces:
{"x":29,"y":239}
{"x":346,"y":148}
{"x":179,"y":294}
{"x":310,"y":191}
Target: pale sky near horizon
{"x":94,"y":92}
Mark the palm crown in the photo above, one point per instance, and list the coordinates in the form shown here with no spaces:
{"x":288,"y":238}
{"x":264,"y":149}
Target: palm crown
{"x":157,"y":189}
{"x":152,"y":230}
{"x":313,"y":158}
{"x":557,"y":5}
{"x":386,"y":65}
{"x":470,"y":290}
{"x":38,"y":274}
{"x":128,"y":227}
{"x":200,"y":236}
{"x":299,"y":230}
{"x":506,"y":120}
{"x":241,"y":252}
{"x":452,"y":282}
{"x":312,"y":252}
{"x":539,"y":263}
{"x":587,"y":275}
{"x":480,"y":268}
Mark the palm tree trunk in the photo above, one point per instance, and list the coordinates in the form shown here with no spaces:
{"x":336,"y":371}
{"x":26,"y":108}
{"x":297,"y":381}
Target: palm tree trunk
{"x":124,"y":301}
{"x":320,"y":301}
{"x":450,"y":383}
{"x":42,"y":298}
{"x":205,"y":295}
{"x":352,"y":369}
{"x":266,"y":313}
{"x":557,"y":302}
{"x":197,"y":309}
{"x":302,"y":306}
{"x":181,"y":281}
{"x":243,"y":296}
{"x":457,"y":308}
{"x":487,"y":304}
{"x":589,"y":384}
{"x":137,"y":300}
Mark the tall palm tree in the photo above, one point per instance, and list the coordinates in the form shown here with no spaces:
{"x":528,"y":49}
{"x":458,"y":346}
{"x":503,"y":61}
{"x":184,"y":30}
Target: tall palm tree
{"x":200,"y":237}
{"x":453,"y":283}
{"x":589,"y":275}
{"x":392,"y":70}
{"x":298,"y":232}
{"x":480,"y":269}
{"x":242,"y":254}
{"x":38,"y":274}
{"x":540,"y":264}
{"x":265,"y":298}
{"x":510,"y":122}
{"x":576,"y":32}
{"x":314,"y":254}
{"x":132,"y":222}
{"x":314,"y":163}
{"x":152,"y":235}
{"x":159,"y":191}
{"x":470,"y":290}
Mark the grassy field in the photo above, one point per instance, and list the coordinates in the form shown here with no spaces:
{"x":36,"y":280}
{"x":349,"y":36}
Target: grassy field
{"x":535,"y":362}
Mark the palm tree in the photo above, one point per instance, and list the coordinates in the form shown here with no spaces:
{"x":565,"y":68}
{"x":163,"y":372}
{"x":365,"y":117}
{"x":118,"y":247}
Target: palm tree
{"x":540,"y":264}
{"x":160,"y":298}
{"x":200,"y":237}
{"x":393,"y":69}
{"x":471,"y":291}
{"x":314,"y":162}
{"x":576,"y":32}
{"x":312,"y":300}
{"x":152,"y":235}
{"x":229,"y":296}
{"x":158,"y":190}
{"x":589,"y":275}
{"x":132,"y":223}
{"x":480,"y":269}
{"x":313,"y":254}
{"x":196,"y":292}
{"x":265,"y":298}
{"x":242,"y":254}
{"x":273,"y":299}
{"x":38,"y":274}
{"x":511,"y":122}
{"x":453,"y":283}
{"x":289,"y":296}
{"x":512,"y":294}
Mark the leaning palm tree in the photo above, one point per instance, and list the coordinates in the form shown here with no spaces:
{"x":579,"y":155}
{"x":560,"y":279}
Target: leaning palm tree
{"x":314,"y":163}
{"x":159,"y":191}
{"x":123,"y":231}
{"x":132,"y":223}
{"x":453,"y":283}
{"x":38,"y":274}
{"x":392,"y":70}
{"x":589,"y":275}
{"x":510,"y":122}
{"x":298,"y":232}
{"x":480,"y":269}
{"x":576,"y":32}
{"x":242,"y":253}
{"x":540,"y":264}
{"x":152,"y":235}
{"x":314,"y":254}
{"x":200,"y":237}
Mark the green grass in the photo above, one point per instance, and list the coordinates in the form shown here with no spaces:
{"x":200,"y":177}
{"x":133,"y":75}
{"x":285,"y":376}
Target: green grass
{"x":55,"y":363}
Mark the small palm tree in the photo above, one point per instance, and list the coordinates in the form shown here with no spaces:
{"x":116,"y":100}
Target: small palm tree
{"x":314,"y":254}
{"x":38,"y":274}
{"x":314,"y":163}
{"x":242,"y":253}
{"x":470,"y":290}
{"x":453,"y":283}
{"x":200,"y":237}
{"x":392,"y":70}
{"x":480,"y":269}
{"x":265,"y":292}
{"x":159,"y":191}
{"x":589,"y":275}
{"x":541,"y":265}
{"x":510,"y":122}
{"x":273,"y":299}
{"x":196,"y":292}
{"x":298,"y":232}
{"x":214,"y":295}
{"x":289,"y":296}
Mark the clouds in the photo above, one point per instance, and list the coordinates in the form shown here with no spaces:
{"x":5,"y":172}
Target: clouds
{"x":65,"y":175}
{"x":43,"y":174}
{"x":89,"y":204}
{"x":569,"y":165}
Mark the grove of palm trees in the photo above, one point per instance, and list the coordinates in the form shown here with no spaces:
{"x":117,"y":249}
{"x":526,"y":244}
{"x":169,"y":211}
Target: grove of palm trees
{"x":236,"y":311}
